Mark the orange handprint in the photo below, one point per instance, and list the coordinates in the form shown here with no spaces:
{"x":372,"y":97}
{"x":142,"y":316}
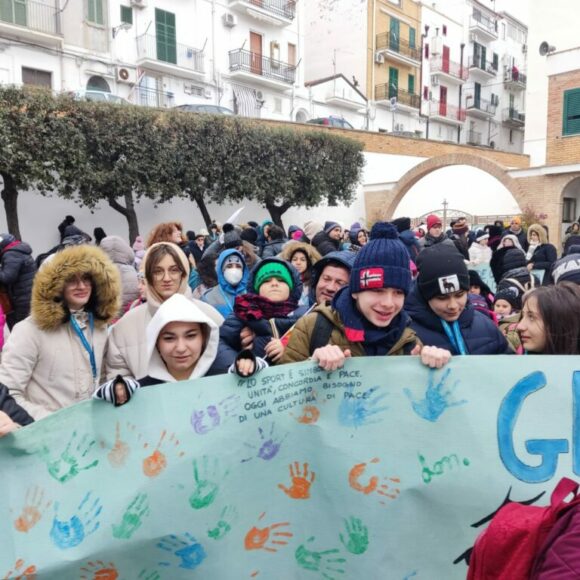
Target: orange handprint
{"x":120,"y":451}
{"x":155,"y":463}
{"x":300,"y":488}
{"x":375,"y":483}
{"x":310,"y":413}
{"x":28,"y":573}
{"x":259,"y":538}
{"x":99,"y":571}
{"x":32,"y":511}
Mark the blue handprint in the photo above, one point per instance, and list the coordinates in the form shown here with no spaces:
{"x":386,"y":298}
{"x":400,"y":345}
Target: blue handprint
{"x":267,"y":447}
{"x":70,"y":533}
{"x":356,"y":409}
{"x":189,"y":551}
{"x":437,"y":398}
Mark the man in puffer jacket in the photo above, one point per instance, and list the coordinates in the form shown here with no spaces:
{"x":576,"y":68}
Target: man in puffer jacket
{"x":329,"y":239}
{"x":17,"y":270}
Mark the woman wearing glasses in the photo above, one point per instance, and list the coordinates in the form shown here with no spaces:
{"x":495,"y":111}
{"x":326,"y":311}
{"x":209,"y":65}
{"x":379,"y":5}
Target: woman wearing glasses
{"x":54,"y":357}
{"x":166,"y":272}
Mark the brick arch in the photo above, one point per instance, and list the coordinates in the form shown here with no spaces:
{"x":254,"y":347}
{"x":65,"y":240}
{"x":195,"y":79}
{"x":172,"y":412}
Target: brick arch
{"x":412,"y":176}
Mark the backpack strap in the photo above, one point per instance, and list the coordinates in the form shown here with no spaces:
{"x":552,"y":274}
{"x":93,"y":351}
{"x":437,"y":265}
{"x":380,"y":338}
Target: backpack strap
{"x":320,"y":333}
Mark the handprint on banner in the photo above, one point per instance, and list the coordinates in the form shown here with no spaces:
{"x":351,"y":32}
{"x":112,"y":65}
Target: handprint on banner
{"x":328,"y":563}
{"x":189,"y":551}
{"x":132,"y":518}
{"x":119,"y":453}
{"x":206,"y":479}
{"x":300,"y":488}
{"x":205,"y":420}
{"x":358,"y":409}
{"x":70,"y":533}
{"x":224,"y":525}
{"x":68,"y":464}
{"x":149,"y":575}
{"x":310,"y":413}
{"x":386,"y":487}
{"x":32,"y":511}
{"x":155,"y":463}
{"x":267,"y":448}
{"x":20,"y":571}
{"x":356,"y":539}
{"x":270,"y":539}
{"x":437,"y":398}
{"x":99,"y":571}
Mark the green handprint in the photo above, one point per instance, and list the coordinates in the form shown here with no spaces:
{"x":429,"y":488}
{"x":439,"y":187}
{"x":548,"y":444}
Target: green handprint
{"x":223,"y":527}
{"x":206,"y":488}
{"x":149,"y":575}
{"x":325,"y":562}
{"x":132,"y":518}
{"x":357,"y":540}
{"x":65,"y":467}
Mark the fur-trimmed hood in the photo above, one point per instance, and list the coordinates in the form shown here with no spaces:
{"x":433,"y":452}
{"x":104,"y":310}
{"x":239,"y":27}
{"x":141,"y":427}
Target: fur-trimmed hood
{"x":540,"y":230}
{"x":48,"y":309}
{"x":293,"y":246}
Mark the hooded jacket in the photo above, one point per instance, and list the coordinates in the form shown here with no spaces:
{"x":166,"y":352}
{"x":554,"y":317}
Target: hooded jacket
{"x":313,"y":257}
{"x":324,"y":243}
{"x":123,"y":257}
{"x":343,"y":259}
{"x":44,"y":363}
{"x":507,"y":258}
{"x":230,"y":344}
{"x":545,"y":254}
{"x":126,"y":353}
{"x":521,"y":237}
{"x":480,"y":334}
{"x":17,"y":270}
{"x":223,"y":296}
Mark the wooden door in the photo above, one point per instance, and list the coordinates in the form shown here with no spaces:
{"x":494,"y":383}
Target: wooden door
{"x":445,"y":59}
{"x":443,"y":101}
{"x":256,"y":53}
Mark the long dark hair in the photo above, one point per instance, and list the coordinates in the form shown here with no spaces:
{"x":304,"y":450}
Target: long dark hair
{"x":559,"y":306}
{"x":307,"y":276}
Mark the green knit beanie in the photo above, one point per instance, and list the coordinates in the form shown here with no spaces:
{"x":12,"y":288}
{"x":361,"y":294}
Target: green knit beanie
{"x":273,"y":270}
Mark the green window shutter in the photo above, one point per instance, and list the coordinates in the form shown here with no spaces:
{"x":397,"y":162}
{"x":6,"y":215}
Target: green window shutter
{"x":571,"y":124}
{"x":394,"y":34}
{"x":412,"y":35}
{"x":127,"y":14}
{"x":495,"y":61}
{"x":165,"y":31}
{"x":411,"y":84}
{"x":483,"y":57}
{"x":20,"y":12}
{"x":95,"y":11}
{"x":393,"y":82}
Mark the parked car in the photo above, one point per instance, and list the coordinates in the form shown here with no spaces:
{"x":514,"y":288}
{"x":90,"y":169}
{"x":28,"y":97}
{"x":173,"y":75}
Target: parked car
{"x":331,"y":122}
{"x":202,"y":108}
{"x":99,"y":97}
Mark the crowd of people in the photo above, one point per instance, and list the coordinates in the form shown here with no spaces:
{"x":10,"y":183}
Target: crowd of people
{"x":104,"y":319}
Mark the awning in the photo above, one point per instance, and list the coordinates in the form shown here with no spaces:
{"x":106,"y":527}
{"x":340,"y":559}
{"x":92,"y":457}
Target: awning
{"x":245,"y":101}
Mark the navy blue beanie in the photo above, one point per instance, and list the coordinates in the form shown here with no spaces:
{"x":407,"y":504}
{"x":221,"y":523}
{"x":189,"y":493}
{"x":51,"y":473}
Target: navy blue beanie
{"x":382,"y":263}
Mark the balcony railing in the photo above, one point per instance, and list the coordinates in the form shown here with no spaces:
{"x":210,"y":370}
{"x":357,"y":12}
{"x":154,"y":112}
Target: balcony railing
{"x":515,"y":76}
{"x":513,"y":115}
{"x":385,"y":92}
{"x":147,"y":97}
{"x":252,"y":62}
{"x":283,"y":8}
{"x":388,"y":41}
{"x":487,"y":66}
{"x":37,"y":16}
{"x":454,"y":69}
{"x":482,"y":105}
{"x":485,"y":23}
{"x":177,"y":54}
{"x":440,"y":109}
{"x":473,"y":137}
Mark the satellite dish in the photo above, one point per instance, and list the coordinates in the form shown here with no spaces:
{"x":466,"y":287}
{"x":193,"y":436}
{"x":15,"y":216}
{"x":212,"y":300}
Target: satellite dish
{"x":546,"y":48}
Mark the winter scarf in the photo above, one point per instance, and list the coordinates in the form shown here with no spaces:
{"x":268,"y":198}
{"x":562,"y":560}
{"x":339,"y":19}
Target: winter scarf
{"x":376,"y":341}
{"x":255,"y":307}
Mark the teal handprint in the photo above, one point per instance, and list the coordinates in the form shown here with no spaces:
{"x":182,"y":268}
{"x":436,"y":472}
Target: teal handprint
{"x":132,"y":518}
{"x":327,"y":562}
{"x":70,"y":533}
{"x":206,"y":483}
{"x":224,"y":525}
{"x":437,"y":398}
{"x":357,"y":536}
{"x":149,"y":575}
{"x":68,"y":464}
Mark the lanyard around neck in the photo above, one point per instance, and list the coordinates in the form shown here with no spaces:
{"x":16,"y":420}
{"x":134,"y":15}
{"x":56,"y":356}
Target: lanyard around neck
{"x":455,"y":337}
{"x":85,"y":342}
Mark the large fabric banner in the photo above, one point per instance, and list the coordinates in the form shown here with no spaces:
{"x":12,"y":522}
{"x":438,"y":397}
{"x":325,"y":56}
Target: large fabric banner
{"x":384,"y":469}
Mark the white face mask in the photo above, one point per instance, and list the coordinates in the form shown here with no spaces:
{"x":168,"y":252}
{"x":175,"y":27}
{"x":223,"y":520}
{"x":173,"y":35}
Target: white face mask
{"x":234,"y":275}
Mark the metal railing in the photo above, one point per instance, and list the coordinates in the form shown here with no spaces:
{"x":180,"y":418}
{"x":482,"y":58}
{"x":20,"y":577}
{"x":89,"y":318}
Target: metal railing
{"x":147,"y":97}
{"x":515,"y":76}
{"x":485,"y":65}
{"x":482,"y":105}
{"x":255,"y":63}
{"x":178,"y":54}
{"x":452,"y":68}
{"x":478,"y":20}
{"x":387,"y":41}
{"x":283,"y":8}
{"x":512,"y":114}
{"x":448,"y":111}
{"x":473,"y":137}
{"x":384,"y":92}
{"x":38,"y":16}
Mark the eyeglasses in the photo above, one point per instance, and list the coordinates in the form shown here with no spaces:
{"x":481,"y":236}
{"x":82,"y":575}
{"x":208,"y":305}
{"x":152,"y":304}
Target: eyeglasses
{"x":84,"y":280}
{"x":174,"y":273}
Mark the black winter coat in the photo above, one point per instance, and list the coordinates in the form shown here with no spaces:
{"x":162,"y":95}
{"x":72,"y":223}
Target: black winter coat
{"x":17,"y":271}
{"x":273,"y":248}
{"x":325,"y":244}
{"x":12,"y":408}
{"x":506,"y":259}
{"x":543,"y":258}
{"x":480,"y":334}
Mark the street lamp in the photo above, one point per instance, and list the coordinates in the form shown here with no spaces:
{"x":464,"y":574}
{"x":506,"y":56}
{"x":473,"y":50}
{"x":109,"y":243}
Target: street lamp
{"x":122,"y":26}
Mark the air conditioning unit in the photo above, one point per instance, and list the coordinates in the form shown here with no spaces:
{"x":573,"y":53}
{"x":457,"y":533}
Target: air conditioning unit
{"x":229,"y":19}
{"x":126,"y":75}
{"x":260,"y":97}
{"x":139,"y":3}
{"x":379,"y":58}
{"x":434,"y":80}
{"x":436,"y":45}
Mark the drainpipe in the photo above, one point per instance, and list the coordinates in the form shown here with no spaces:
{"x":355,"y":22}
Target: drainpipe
{"x":213,"y":69}
{"x":462,"y":46}
{"x":374,"y":48}
{"x":421,"y":115}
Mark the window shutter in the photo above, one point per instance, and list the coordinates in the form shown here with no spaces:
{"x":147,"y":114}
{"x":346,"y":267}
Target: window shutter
{"x":412,"y":37}
{"x":425,"y":93}
{"x":165,"y":30}
{"x":393,"y":82}
{"x":127,"y":14}
{"x":571,"y":112}
{"x":426,"y":50}
{"x":411,"y":84}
